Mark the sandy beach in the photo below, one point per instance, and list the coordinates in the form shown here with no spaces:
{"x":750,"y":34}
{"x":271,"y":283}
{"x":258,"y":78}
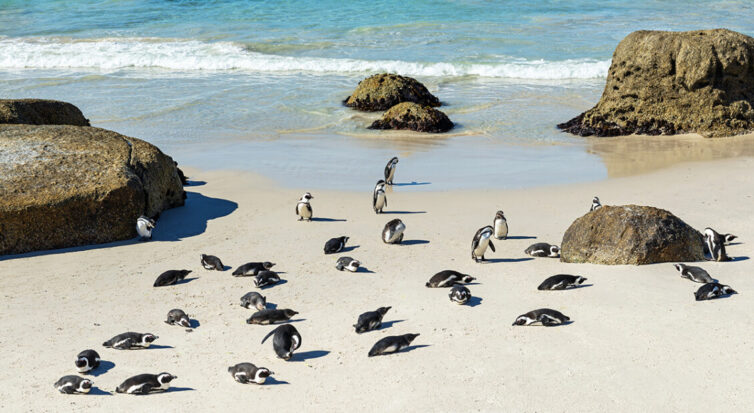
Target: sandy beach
{"x":638,"y":340}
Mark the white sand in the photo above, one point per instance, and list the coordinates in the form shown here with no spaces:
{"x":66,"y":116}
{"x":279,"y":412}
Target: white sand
{"x":639,"y":341}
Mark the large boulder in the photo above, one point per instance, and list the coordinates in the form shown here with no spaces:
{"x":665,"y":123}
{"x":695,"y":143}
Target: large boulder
{"x":64,"y":186}
{"x":675,"y":82}
{"x":414,"y":117}
{"x":383,"y":91}
{"x":40,"y":112}
{"x":630,"y":234}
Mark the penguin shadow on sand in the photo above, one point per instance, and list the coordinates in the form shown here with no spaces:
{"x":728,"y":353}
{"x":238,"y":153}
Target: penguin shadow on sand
{"x":520,"y":237}
{"x":272,"y":381}
{"x":153,"y":347}
{"x":364,"y":270}
{"x":184,"y":281}
{"x":104,"y":367}
{"x":267,"y":287}
{"x":195,"y":183}
{"x":96,"y":391}
{"x":474,"y":301}
{"x":350,"y":248}
{"x":308,"y":355}
{"x":388,"y":324}
{"x":509,"y":260}
{"x":191,"y":219}
{"x":414,"y":242}
{"x":403,"y":212}
{"x":178,"y":389}
{"x":412,"y":183}
{"x":318,"y":219}
{"x":193,"y":323}
{"x":412,"y":348}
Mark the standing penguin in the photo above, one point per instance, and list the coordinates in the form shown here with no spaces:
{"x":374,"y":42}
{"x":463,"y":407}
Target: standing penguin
{"x":379,"y":200}
{"x":245,"y":373}
{"x":500,"y":225}
{"x":595,"y":204}
{"x":146,"y":383}
{"x":286,"y":340}
{"x":459,"y":294}
{"x":695,"y":274}
{"x":393,"y":232}
{"x":713,"y":290}
{"x":304,"y":208}
{"x":480,"y":243}
{"x":390,"y":170}
{"x":335,"y":245}
{"x":177,"y":317}
{"x":144,"y":227}
{"x":543,"y":249}
{"x":546,"y":316}
{"x":371,"y":320}
{"x":392,"y":344}
{"x":170,"y":277}
{"x":87,"y":360}
{"x":73,"y":384}
{"x":254,"y":299}
{"x":715,"y":245}
{"x":210,"y":262}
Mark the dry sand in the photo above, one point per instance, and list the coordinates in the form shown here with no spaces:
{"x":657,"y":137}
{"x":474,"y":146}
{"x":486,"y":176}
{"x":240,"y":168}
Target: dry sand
{"x":638,"y":341}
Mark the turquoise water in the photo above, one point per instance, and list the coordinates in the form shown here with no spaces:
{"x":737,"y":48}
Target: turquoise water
{"x":258,"y":85}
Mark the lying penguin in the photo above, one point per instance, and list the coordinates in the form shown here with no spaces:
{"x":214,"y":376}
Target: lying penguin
{"x":246,"y":373}
{"x":392,"y":344}
{"x":546,"y":316}
{"x":371,"y":320}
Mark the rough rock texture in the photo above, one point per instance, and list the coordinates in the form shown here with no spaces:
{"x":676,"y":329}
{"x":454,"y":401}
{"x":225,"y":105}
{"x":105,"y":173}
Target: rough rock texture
{"x":40,"y":112}
{"x":415,"y":117}
{"x":630,"y":234}
{"x":675,"y":82}
{"x":65,"y":186}
{"x":383,"y":91}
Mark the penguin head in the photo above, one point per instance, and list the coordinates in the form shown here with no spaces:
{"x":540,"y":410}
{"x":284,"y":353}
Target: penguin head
{"x":500,"y":215}
{"x":729,"y":237}
{"x":521,"y":320}
{"x":580,"y":280}
{"x":82,"y":363}
{"x":289,"y":313}
{"x":727,"y":290}
{"x":380,"y":184}
{"x":467,"y":278}
{"x":411,"y":337}
{"x":287,"y":355}
{"x":344,"y":238}
{"x":306,"y":197}
{"x":165,"y":378}
{"x":394,"y":161}
{"x":267,"y":265}
{"x":383,"y":310}
{"x":85,"y":386}
{"x":679,"y":267}
{"x":554,"y":250}
{"x":149,"y":338}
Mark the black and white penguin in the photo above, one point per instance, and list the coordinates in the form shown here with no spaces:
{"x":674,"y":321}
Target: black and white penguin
{"x":245,"y":373}
{"x":266,"y":278}
{"x":715,"y":244}
{"x":447,"y":278}
{"x":210,"y":262}
{"x":392,"y":344}
{"x":459,"y":294}
{"x":170,"y":277}
{"x":87,"y":360}
{"x":286,"y":340}
{"x":252,"y":268}
{"x":347,"y":263}
{"x":371,"y":320}
{"x":176,"y":317}
{"x":713,"y":290}
{"x":271,"y":316}
{"x":695,"y":274}
{"x":144,"y":227}
{"x":545,"y":316}
{"x":480,"y":243}
{"x":392,"y":164}
{"x":379,"y":199}
{"x":335,"y":245}
{"x":73,"y":384}
{"x":304,"y":208}
{"x":561,"y":282}
{"x":146,"y":383}
{"x":543,"y":249}
{"x":393,"y":232}
{"x":595,"y":204}
{"x":255,"y":300}
{"x":127,"y":341}
{"x":500,"y":224}
{"x":729,"y":238}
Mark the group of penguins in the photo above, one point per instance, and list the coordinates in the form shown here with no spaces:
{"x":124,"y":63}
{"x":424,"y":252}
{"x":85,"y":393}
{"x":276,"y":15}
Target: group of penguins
{"x":286,"y":339}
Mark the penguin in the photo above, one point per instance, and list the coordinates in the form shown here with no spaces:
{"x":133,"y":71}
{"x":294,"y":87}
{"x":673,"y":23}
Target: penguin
{"x":543,"y":249}
{"x":715,"y":245}
{"x":729,"y":238}
{"x":459,"y":294}
{"x":713,"y":290}
{"x":480,"y":243}
{"x":379,"y":200}
{"x":286,"y":341}
{"x":695,"y":274}
{"x":500,"y":225}
{"x":561,"y":282}
{"x":304,"y":208}
{"x":252,"y":268}
{"x":144,"y":227}
{"x":170,"y":277}
{"x":254,"y":299}
{"x":390,"y":170}
{"x":87,"y":360}
{"x":347,"y":263}
{"x":246,"y":373}
{"x":448,"y":278}
{"x":595,"y":204}
{"x":271,"y":316}
{"x":73,"y":384}
{"x":127,"y":341}
{"x":335,"y":245}
{"x":392,"y":344}
{"x":545,"y":316}
{"x":371,"y":320}
{"x":266,"y":278}
{"x":393,"y":232}
{"x":177,"y":317}
{"x":146,"y":383}
{"x":210,"y":262}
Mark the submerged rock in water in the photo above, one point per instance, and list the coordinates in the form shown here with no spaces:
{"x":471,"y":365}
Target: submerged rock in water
{"x":414,"y":117}
{"x":383,"y":91}
{"x":630,"y":234}
{"x":675,"y":82}
{"x":40,"y":112}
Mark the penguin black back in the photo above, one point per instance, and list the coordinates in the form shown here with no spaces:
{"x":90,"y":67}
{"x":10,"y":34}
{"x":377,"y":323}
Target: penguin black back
{"x":170,"y":277}
{"x":286,"y":340}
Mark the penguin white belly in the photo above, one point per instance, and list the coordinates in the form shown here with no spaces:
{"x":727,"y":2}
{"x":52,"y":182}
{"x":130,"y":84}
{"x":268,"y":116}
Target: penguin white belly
{"x":482,"y":247}
{"x":164,"y":386}
{"x":143,"y":230}
{"x":135,"y":388}
{"x":391,"y":174}
{"x":380,"y":201}
{"x":501,"y":229}
{"x":303,"y":211}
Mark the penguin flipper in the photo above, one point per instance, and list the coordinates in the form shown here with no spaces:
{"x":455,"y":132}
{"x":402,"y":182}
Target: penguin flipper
{"x":268,"y":335}
{"x":492,"y":246}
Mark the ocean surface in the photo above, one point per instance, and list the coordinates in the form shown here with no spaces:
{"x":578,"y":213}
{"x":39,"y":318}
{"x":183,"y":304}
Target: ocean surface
{"x":258,"y":85}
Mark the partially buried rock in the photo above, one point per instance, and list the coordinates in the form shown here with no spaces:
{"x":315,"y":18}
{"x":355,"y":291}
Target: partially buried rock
{"x":630,"y":234}
{"x":383,"y":91}
{"x":414,"y":117}
{"x":40,"y":112}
